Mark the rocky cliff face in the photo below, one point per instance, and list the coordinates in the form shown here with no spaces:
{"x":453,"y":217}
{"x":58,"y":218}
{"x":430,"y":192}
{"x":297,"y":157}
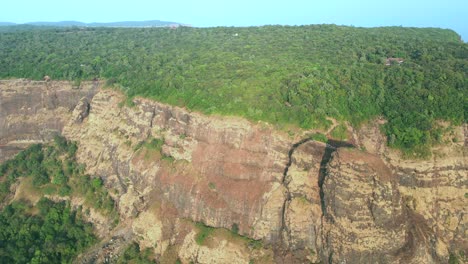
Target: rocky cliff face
{"x":305,"y":200}
{"x":218,"y":171}
{"x":33,"y":111}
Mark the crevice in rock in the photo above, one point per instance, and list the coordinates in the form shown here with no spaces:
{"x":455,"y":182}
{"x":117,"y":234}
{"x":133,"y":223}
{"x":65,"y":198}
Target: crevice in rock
{"x":329,"y":149}
{"x":115,"y":165}
{"x":286,"y":186}
{"x":332,"y":146}
{"x":54,"y":101}
{"x":370,"y":207}
{"x":153,"y":114}
{"x":330,"y":258}
{"x":290,"y":153}
{"x":372,"y":199}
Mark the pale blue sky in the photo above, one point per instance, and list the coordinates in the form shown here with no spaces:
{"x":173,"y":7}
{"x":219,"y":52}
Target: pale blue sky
{"x":201,"y":13}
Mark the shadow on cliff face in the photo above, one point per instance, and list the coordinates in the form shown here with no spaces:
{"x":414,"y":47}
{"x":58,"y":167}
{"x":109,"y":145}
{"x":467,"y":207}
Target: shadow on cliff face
{"x":284,"y":182}
{"x":419,"y":235}
{"x":323,"y":173}
{"x":286,"y":256}
{"x":336,"y":144}
{"x":332,"y":146}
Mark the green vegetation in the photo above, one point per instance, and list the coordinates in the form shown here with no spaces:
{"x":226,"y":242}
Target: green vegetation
{"x":302,"y":199}
{"x":340,"y":132}
{"x":235,"y":229}
{"x":280,"y":74}
{"x":25,"y":163}
{"x":48,"y":232}
{"x":154,"y":144}
{"x":127,"y":102}
{"x":133,"y":255}
{"x":54,"y":171}
{"x":453,"y":259}
{"x":212,"y":186}
{"x":56,"y":234}
{"x":151,"y":146}
{"x":204,"y":232}
{"x":95,"y":194}
{"x":252,"y":243}
{"x":319,"y":137}
{"x":249,"y":242}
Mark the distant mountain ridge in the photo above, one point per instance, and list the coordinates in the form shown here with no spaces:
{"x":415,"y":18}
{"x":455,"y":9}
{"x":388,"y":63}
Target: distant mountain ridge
{"x":148,"y":23}
{"x":7,"y":24}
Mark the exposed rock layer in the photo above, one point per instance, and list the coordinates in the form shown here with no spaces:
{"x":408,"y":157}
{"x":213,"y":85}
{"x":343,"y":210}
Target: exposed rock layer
{"x":33,"y":111}
{"x":351,"y":207}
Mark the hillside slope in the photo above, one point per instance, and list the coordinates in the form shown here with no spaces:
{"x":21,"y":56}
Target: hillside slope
{"x":289,"y":76}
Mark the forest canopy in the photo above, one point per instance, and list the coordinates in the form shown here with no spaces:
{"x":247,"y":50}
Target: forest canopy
{"x":47,"y":231}
{"x":280,"y":74}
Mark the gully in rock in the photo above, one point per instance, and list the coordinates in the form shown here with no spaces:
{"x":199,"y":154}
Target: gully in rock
{"x":331,"y":147}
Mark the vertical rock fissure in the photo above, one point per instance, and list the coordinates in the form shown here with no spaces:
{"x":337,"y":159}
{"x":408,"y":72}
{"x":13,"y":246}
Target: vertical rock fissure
{"x":290,"y":153}
{"x":329,"y":149}
{"x":286,"y":186}
{"x":117,"y":172}
{"x":332,"y":146}
{"x":153,"y":114}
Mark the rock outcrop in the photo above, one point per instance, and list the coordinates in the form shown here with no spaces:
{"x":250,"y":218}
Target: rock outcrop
{"x":34,"y":111}
{"x":213,"y":170}
{"x":301,"y":200}
{"x":364,"y":213}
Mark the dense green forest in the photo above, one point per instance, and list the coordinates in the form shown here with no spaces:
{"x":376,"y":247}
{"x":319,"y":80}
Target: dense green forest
{"x":280,"y":74}
{"x":56,"y":234}
{"x":54,"y":171}
{"x":47,"y":232}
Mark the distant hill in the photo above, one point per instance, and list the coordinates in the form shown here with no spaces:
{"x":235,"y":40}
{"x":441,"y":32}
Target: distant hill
{"x":149,"y":23}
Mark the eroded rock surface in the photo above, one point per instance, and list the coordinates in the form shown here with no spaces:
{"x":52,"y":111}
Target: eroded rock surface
{"x":34,"y":111}
{"x":364,"y":215}
{"x":220,"y":171}
{"x":305,"y":200}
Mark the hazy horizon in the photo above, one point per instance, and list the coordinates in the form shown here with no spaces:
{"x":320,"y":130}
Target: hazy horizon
{"x":449,"y":14}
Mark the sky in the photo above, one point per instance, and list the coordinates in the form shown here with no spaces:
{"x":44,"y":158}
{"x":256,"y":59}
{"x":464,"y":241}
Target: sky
{"x":451,"y":14}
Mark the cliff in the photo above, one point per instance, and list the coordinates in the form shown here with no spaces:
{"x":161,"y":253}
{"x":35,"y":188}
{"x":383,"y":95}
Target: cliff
{"x":284,"y":199}
{"x":33,"y":111}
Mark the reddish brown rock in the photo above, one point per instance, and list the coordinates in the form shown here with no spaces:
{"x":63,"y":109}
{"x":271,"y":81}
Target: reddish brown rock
{"x":308,"y":201}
